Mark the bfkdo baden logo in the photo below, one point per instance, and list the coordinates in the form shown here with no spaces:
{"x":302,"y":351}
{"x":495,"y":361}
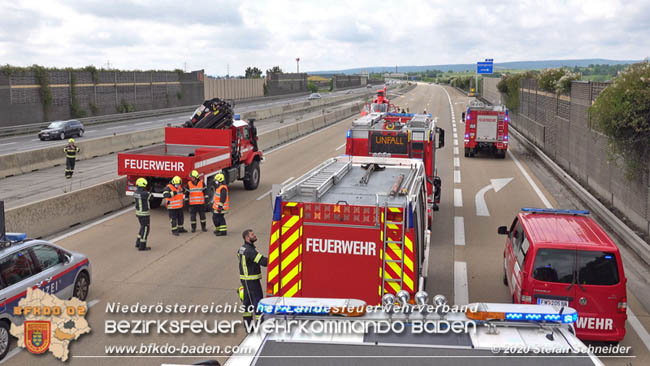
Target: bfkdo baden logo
{"x":50,"y":323}
{"x":37,"y":335}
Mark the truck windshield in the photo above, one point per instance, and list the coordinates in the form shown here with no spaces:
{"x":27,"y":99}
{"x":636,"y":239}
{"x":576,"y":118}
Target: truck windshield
{"x":558,"y":265}
{"x":379,"y":107}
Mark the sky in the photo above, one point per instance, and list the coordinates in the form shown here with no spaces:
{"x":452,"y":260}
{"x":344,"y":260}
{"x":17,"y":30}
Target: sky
{"x":227,"y":36}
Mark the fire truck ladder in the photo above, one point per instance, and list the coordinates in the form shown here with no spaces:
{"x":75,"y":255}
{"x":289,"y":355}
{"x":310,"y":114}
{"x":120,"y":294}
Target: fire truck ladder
{"x":390,"y":244}
{"x":321,"y":180}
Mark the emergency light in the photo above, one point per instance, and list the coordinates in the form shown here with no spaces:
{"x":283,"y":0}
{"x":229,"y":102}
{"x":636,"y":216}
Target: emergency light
{"x":349,"y":134}
{"x":555,"y":211}
{"x":16,"y":237}
{"x":311,"y":306}
{"x":522,"y":313}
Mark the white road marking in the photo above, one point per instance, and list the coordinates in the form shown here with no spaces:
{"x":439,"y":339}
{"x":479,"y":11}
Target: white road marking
{"x":459,"y":230}
{"x":456,"y":176}
{"x":531,"y":181}
{"x":456,"y":151}
{"x":479,"y":199}
{"x":95,"y":223}
{"x":340,"y":147}
{"x":269,"y":192}
{"x":457,"y":162}
{"x":455,"y":135}
{"x":455,"y":129}
{"x":35,"y":140}
{"x":461,"y":291}
{"x":115,"y":127}
{"x":9,"y":143}
{"x":458,"y":197}
{"x":455,"y":142}
{"x":302,"y":138}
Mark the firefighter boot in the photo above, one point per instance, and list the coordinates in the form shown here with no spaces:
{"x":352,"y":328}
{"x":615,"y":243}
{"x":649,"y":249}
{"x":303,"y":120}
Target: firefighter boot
{"x":203,"y":227}
{"x":193,"y":228}
{"x":137,"y":242}
{"x":182,"y":230}
{"x":175,"y":233}
{"x":143,"y":247}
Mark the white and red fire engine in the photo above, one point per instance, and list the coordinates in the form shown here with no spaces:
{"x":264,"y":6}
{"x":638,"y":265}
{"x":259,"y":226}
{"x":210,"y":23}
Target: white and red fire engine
{"x":401,"y":135}
{"x":486,"y":128}
{"x":352,"y":217}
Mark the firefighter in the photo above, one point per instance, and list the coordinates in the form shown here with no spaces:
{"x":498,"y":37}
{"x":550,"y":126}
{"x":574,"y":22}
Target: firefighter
{"x":253,"y":129}
{"x":220,"y":206}
{"x":174,"y":195}
{"x":197,"y":200}
{"x":142,"y":197}
{"x":250,"y":274}
{"x":70,"y":151}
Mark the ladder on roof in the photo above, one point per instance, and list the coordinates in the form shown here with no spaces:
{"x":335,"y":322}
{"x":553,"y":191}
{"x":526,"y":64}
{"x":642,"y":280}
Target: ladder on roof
{"x":392,"y":256}
{"x":323,"y":179}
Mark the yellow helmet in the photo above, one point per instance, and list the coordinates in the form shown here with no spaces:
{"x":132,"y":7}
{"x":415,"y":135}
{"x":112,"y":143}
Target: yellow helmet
{"x":141,"y":182}
{"x":194,"y":174}
{"x":71,"y":141}
{"x":220,"y":177}
{"x":176,"y":180}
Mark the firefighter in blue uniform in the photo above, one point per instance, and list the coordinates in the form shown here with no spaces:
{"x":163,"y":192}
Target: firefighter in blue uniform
{"x":142,"y":211}
{"x":250,"y":274}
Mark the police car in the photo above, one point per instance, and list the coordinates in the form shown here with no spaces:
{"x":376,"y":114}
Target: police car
{"x":26,"y":263}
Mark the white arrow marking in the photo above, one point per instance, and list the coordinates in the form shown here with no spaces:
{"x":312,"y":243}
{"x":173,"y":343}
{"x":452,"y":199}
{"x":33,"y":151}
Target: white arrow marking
{"x":479,"y":199}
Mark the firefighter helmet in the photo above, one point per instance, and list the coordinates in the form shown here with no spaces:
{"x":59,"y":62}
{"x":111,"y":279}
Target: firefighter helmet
{"x":194,"y":174}
{"x":219,"y":177}
{"x":141,"y":182}
{"x":176,"y":180}
{"x":71,"y":141}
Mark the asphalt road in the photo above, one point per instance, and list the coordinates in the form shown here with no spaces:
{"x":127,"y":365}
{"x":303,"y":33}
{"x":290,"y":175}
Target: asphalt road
{"x":13,"y":144}
{"x":201,"y":269}
{"x":45,"y":183}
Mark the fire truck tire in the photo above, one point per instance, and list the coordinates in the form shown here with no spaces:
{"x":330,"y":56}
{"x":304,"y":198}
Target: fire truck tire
{"x":502,"y":154}
{"x":467,"y":152}
{"x":505,"y":278}
{"x":252,"y":179}
{"x":155,"y":202}
{"x":472,"y":152}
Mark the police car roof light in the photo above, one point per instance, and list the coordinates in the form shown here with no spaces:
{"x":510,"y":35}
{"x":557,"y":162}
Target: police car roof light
{"x":554,"y":211}
{"x":16,"y":237}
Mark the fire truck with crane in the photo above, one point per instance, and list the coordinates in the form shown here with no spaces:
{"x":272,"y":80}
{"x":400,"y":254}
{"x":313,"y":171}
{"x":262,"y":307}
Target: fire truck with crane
{"x":351,"y":217}
{"x":214,"y":140}
{"x":486,"y":128}
{"x":401,"y":135}
{"x":380,"y":104}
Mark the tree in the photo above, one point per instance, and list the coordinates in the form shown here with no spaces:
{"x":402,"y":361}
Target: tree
{"x":312,"y":87}
{"x":274,"y":70}
{"x":253,"y":73}
{"x":622,"y":113}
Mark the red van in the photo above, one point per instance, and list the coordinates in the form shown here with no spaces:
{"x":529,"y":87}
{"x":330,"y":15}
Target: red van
{"x":563,"y":257}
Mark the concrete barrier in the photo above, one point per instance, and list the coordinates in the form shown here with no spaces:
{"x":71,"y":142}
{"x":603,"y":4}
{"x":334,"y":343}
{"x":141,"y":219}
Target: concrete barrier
{"x":58,"y":213}
{"x":49,"y":216}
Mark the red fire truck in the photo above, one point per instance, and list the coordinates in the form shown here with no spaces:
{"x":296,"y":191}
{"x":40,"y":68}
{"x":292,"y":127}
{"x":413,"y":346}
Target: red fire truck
{"x":210,"y":151}
{"x":380,"y":104}
{"x":353,"y":227}
{"x":486,"y":128}
{"x":401,"y":135}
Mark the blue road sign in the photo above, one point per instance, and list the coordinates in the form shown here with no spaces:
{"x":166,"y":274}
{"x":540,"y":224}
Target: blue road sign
{"x":484,"y":67}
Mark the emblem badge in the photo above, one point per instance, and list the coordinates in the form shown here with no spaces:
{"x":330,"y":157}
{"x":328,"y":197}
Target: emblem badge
{"x":37,"y":335}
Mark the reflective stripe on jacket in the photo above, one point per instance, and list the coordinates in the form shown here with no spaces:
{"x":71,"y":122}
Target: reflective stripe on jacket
{"x":174,"y":197}
{"x":71,"y":152}
{"x":218,"y":202}
{"x":250,"y":262}
{"x":196,"y":193}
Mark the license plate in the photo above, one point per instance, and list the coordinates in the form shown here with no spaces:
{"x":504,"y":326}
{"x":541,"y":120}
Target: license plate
{"x":553,"y":302}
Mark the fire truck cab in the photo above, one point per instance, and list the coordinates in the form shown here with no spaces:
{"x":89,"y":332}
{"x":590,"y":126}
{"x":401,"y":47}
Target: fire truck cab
{"x":401,"y":135}
{"x":486,"y":128}
{"x":353,"y":227}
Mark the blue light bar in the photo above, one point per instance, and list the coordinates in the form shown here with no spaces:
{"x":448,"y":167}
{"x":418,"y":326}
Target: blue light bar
{"x":555,"y":211}
{"x":16,"y":236}
{"x":237,"y":117}
{"x":349,"y":134}
{"x":540,"y":318}
{"x":392,"y":114}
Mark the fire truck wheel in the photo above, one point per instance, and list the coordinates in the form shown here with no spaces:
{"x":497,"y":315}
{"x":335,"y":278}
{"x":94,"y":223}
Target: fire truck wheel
{"x":472,"y":152}
{"x":467,"y":152}
{"x":155,"y":202}
{"x":252,"y":176}
{"x":505,"y":279}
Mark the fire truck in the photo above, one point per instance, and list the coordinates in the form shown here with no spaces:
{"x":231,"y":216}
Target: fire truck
{"x":402,"y":135}
{"x":230,"y":149}
{"x":353,"y":227}
{"x":380,"y":104}
{"x":486,"y":128}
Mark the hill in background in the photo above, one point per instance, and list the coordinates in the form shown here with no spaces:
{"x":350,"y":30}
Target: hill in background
{"x":516,"y":65}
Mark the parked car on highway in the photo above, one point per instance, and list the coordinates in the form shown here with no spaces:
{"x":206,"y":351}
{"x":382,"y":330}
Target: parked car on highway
{"x":314,"y":96}
{"x":564,"y":258}
{"x":28,"y":263}
{"x":61,"y":130}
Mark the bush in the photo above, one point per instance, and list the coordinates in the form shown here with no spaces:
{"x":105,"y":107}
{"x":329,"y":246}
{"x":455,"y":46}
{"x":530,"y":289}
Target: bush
{"x":563,"y":85}
{"x":312,"y":87}
{"x":548,"y":79}
{"x":509,"y":85}
{"x":622,"y":111}
{"x":125,"y":107}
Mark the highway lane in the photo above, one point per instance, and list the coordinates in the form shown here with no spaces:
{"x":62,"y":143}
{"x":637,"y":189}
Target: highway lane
{"x":12,"y":144}
{"x":45,"y":183}
{"x":190,"y":269}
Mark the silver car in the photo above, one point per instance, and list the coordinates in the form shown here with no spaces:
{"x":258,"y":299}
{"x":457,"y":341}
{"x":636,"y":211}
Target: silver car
{"x":26,"y":263}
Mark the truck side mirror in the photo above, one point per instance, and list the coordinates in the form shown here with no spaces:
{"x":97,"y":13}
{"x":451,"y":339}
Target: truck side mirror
{"x":503,"y":230}
{"x":441,"y":138}
{"x":463,"y":116}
